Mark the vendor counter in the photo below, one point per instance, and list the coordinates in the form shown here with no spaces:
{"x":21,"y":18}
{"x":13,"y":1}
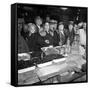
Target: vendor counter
{"x":50,"y":69}
{"x":56,"y":65}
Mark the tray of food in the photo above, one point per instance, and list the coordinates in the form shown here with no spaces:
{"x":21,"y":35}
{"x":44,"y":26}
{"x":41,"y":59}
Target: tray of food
{"x":23,"y":56}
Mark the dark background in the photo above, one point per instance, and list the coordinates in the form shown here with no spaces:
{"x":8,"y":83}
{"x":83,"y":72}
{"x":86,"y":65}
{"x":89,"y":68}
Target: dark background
{"x":30,"y":11}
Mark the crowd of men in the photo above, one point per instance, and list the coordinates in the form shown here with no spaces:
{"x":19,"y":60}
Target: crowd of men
{"x":43,"y":33}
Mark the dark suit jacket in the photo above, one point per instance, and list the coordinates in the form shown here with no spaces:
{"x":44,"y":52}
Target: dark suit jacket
{"x":22,"y":45}
{"x":62,"y":38}
{"x":32,"y":42}
{"x":56,"y":39}
{"x":42,"y":41}
{"x":71,"y":36}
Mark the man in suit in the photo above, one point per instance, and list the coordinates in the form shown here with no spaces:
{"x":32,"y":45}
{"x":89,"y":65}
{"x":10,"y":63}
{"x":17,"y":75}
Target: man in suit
{"x":22,"y":45}
{"x":61,"y":34}
{"x":53,"y":32}
{"x":71,"y":33}
{"x":38,"y":22}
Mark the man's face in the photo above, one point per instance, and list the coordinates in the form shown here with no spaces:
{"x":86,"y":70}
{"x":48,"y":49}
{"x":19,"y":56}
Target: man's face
{"x":32,"y":29}
{"x":19,"y":26}
{"x":84,"y":26}
{"x":55,"y":26}
{"x":25,"y":28}
{"x":52,"y":27}
{"x":61,"y":27}
{"x":47,"y":18}
{"x":46,"y":26}
{"x":70,"y":27}
{"x":39,"y":22}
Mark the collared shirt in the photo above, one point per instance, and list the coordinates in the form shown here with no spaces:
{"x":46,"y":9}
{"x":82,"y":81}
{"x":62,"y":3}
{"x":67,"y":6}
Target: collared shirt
{"x":38,"y":26}
{"x":82,"y":34}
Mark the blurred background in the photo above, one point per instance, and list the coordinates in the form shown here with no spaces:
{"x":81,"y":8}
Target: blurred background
{"x":59,"y":13}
